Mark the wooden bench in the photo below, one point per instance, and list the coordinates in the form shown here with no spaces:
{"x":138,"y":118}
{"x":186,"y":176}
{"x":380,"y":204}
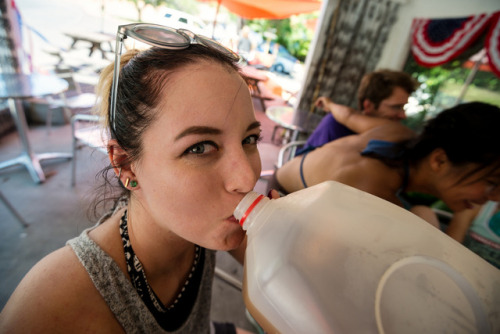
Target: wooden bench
{"x":98,"y":41}
{"x":255,"y":91}
{"x":254,"y":77}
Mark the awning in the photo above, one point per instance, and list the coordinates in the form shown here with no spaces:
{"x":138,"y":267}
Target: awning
{"x":437,"y":41}
{"x":269,"y":9}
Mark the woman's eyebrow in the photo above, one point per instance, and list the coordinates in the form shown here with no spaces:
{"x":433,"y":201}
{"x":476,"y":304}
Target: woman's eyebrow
{"x":198,"y":130}
{"x":206,"y":130}
{"x":254,"y":125}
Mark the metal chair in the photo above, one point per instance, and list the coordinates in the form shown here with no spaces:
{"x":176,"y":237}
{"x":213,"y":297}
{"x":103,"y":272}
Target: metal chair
{"x":286,"y":153}
{"x":74,"y":99}
{"x":235,"y":283}
{"x":13,"y":210}
{"x":86,"y":131}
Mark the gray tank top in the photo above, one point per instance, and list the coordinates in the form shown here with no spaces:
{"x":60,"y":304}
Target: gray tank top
{"x":123,"y":300}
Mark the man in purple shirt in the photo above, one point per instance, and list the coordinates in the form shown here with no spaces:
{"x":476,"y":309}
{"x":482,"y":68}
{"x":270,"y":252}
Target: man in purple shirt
{"x":382,"y":93}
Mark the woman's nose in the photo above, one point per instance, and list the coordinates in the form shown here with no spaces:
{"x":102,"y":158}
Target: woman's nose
{"x":242,"y":171}
{"x":401,"y":115}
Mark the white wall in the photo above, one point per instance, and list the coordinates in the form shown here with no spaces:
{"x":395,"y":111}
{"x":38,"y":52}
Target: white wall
{"x":398,"y":44}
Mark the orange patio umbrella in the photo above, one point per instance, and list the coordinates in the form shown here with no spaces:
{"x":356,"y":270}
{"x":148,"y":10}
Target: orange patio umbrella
{"x":269,"y":9}
{"x":266,"y":9}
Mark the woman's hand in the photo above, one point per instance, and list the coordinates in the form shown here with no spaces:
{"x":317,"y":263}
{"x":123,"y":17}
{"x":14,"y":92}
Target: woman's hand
{"x":323,"y":102}
{"x":273,"y":194}
{"x":459,"y":225}
{"x":340,"y":112}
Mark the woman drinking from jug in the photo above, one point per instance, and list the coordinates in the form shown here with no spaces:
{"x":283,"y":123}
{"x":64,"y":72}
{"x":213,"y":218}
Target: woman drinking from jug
{"x":183,"y":152}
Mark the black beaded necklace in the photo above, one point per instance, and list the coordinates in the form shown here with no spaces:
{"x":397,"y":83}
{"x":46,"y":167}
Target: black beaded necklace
{"x":169,"y":317}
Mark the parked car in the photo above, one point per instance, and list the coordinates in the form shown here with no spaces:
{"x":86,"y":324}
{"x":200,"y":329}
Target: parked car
{"x":275,"y":57}
{"x":178,"y":19}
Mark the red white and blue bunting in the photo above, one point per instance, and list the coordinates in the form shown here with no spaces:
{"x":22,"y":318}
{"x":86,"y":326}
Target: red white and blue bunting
{"x":437,"y":41}
{"x":493,"y":45}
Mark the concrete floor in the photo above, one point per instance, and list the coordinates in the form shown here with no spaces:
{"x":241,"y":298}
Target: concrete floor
{"x":56,"y":212}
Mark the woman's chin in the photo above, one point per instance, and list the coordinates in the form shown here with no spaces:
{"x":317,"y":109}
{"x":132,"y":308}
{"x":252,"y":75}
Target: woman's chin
{"x":460,"y":206}
{"x":233,"y":241}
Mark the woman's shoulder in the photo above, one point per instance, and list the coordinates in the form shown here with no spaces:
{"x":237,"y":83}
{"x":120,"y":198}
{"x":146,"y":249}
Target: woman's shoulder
{"x":393,"y":132}
{"x":54,"y":275}
{"x":372,"y":176}
{"x":55,"y":294}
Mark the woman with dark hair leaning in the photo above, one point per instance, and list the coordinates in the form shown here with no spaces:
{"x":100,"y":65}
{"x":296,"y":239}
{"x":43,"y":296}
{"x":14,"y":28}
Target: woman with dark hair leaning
{"x":183,"y":150}
{"x":456,"y":158}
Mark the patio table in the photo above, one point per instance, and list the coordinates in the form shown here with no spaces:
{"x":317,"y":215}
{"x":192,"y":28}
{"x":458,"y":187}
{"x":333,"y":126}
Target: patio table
{"x":15,"y":87}
{"x":286,"y":117}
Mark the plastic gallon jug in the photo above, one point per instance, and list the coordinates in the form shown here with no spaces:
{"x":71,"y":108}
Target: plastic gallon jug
{"x":334,"y":259}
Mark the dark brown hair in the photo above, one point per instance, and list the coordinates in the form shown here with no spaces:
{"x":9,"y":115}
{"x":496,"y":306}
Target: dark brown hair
{"x":379,"y":85}
{"x":468,"y":133}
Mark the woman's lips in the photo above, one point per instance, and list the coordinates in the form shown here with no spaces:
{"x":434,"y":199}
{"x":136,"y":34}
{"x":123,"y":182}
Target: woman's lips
{"x":233,"y":220}
{"x":468,"y":204}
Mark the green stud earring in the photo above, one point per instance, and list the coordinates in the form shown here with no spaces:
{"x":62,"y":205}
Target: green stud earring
{"x":133,"y":183}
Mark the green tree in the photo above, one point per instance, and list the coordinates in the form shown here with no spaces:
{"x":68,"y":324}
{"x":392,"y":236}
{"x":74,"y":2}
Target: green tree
{"x":434,"y":92}
{"x":292,"y":32}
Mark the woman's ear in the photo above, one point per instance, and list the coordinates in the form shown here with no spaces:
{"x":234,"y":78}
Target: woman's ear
{"x":368,"y":107}
{"x":119,"y":161}
{"x":438,"y":160}
{"x":116,"y":155}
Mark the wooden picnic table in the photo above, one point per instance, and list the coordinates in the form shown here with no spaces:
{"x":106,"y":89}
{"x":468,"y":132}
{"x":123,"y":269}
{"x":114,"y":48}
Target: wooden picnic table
{"x":98,"y":41}
{"x":253,"y":77}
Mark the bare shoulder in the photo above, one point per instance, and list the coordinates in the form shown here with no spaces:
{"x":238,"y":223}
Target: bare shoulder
{"x":56,"y":295}
{"x":372,"y":176}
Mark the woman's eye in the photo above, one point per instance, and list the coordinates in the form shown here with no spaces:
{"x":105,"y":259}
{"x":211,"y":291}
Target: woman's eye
{"x":252,"y":140}
{"x":202,"y":148}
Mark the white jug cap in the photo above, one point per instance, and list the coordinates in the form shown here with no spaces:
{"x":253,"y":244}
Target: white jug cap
{"x":246,"y":205}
